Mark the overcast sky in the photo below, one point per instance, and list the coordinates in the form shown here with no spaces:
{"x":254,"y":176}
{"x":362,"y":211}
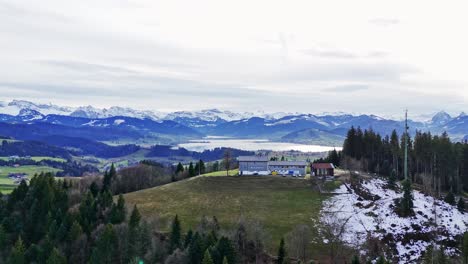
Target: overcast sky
{"x":306,"y":56}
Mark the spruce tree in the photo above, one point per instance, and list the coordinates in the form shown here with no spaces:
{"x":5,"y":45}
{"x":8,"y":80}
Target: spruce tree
{"x":465,"y":248}
{"x":191,"y":170}
{"x":281,"y":252}
{"x":450,"y":198}
{"x":175,"y":236}
{"x":355,"y":260}
{"x":17,"y":253}
{"x":188,"y":238}
{"x":207,"y":258}
{"x":406,"y":202}
{"x":195,"y":251}
{"x":118,"y":212}
{"x":3,"y":238}
{"x":461,"y":205}
{"x":135,"y":218}
{"x":56,"y":258}
{"x":392,"y":179}
{"x":180,"y":168}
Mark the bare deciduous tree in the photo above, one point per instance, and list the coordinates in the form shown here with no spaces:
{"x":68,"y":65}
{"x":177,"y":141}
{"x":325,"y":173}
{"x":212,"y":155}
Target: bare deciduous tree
{"x":299,"y":242}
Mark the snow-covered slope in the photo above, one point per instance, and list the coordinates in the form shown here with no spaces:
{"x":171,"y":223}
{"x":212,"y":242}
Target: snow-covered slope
{"x":14,"y":107}
{"x":92,"y":112}
{"x":408,"y":237}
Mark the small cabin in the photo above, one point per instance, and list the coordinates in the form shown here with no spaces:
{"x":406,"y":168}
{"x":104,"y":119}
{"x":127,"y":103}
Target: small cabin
{"x":322,"y":169}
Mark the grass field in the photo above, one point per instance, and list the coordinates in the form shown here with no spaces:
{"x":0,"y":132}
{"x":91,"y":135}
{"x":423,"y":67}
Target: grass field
{"x":38,"y":158}
{"x":7,"y":185}
{"x":278,"y":203}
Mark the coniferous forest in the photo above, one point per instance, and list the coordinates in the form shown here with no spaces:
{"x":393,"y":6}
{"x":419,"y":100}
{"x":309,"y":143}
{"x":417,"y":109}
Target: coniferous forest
{"x":40,"y":222}
{"x":434,"y":161}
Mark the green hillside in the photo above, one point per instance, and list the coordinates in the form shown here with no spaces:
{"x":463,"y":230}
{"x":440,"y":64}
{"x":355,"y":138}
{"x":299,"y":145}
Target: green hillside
{"x":278,"y":203}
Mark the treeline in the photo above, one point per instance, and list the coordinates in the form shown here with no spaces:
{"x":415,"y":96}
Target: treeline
{"x":32,"y":148}
{"x":206,"y":155}
{"x":433,"y":160}
{"x":83,"y":146}
{"x":68,"y":168}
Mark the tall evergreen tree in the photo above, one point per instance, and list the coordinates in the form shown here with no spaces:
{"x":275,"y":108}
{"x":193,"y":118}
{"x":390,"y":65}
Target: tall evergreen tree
{"x":17,"y":253}
{"x":465,"y":248}
{"x":281,"y":252}
{"x":191,"y":170}
{"x":175,"y":236}
{"x":406,"y":202}
{"x":179,"y":168}
{"x":355,"y":260}
{"x":207,"y":258}
{"x":461,"y":204}
{"x":56,"y":258}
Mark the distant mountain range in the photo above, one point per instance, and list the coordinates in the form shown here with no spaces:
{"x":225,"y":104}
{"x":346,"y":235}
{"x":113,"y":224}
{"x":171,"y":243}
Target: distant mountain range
{"x":27,"y":120}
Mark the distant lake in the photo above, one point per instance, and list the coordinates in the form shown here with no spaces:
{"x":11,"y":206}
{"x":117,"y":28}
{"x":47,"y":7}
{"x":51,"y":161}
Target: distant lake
{"x":251,"y":145}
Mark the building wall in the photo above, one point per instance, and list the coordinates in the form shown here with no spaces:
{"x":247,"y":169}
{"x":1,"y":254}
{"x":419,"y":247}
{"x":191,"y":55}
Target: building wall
{"x":301,"y":170}
{"x":253,"y":166}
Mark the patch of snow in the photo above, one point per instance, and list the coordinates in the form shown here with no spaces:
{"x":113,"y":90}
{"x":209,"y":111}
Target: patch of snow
{"x":118,"y":121}
{"x":378,"y":219}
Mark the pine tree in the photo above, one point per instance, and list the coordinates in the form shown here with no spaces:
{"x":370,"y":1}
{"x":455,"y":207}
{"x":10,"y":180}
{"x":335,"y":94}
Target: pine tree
{"x":104,"y":251}
{"x":461,"y":204}
{"x":406,"y":202}
{"x":17,"y":253}
{"x":281,"y":252}
{"x":355,"y":260}
{"x":3,"y":238}
{"x":392,"y":180}
{"x":134,"y":240}
{"x":450,"y":198}
{"x":75,"y":232}
{"x":118,"y":212}
{"x":188,"y":238}
{"x":207,"y":258}
{"x":108,"y":177}
{"x":135,"y":218}
{"x":465,"y":248}
{"x":195,"y":251}
{"x":175,"y":236}
{"x":56,"y":258}
{"x":202,"y":167}
{"x":191,"y":170}
{"x":94,"y":189}
{"x":180,"y":168}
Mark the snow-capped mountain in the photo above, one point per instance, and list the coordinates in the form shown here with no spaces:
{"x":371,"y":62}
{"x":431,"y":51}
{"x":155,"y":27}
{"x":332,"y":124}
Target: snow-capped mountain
{"x":440,"y":119}
{"x":92,"y":112}
{"x":226,"y":123}
{"x":14,"y":107}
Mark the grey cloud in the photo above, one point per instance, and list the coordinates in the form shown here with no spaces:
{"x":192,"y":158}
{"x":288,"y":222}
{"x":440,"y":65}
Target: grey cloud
{"x":337,"y":54}
{"x":86,"y":67}
{"x":384,"y":21}
{"x":347,"y":88}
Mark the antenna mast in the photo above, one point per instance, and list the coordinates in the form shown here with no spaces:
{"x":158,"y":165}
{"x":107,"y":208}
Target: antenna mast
{"x":406,"y":145}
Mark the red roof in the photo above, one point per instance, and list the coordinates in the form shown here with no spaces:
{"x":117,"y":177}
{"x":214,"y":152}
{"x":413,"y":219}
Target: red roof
{"x":323,"y":166}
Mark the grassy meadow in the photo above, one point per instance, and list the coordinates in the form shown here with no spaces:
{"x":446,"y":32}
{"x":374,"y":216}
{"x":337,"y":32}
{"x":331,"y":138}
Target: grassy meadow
{"x":278,"y":203}
{"x":7,"y":185}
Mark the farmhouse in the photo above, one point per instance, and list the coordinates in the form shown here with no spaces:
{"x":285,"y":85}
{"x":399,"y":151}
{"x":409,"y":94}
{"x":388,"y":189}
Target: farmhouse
{"x":261,"y":165}
{"x":322,"y":169}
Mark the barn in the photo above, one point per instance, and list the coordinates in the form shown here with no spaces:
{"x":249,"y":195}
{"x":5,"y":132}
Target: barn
{"x":253,"y":165}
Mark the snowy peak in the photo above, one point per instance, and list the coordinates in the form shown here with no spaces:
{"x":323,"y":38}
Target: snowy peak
{"x":14,"y":108}
{"x":210,"y":115}
{"x":441,"y":118}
